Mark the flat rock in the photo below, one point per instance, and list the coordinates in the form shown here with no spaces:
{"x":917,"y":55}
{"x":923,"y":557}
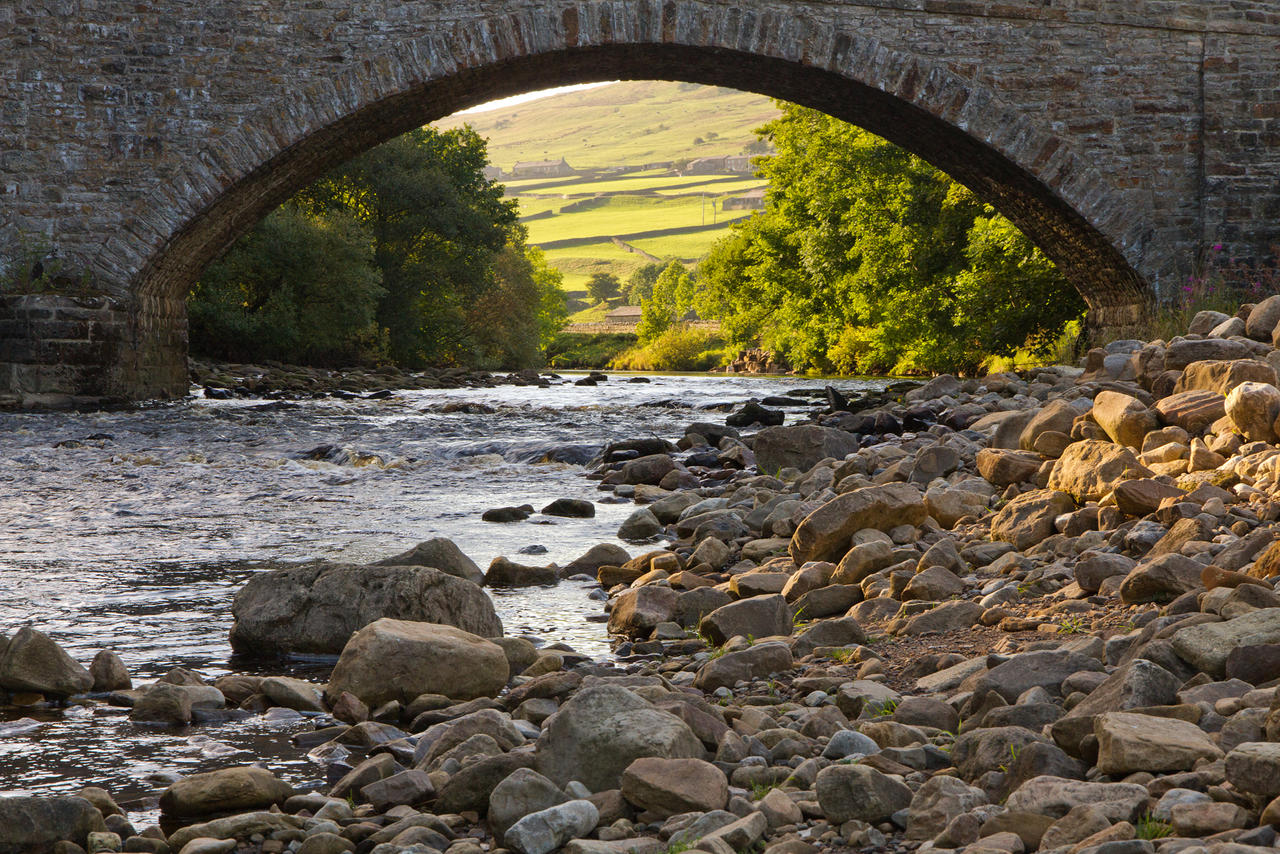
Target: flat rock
{"x":1207,"y":645}
{"x":1130,"y":742}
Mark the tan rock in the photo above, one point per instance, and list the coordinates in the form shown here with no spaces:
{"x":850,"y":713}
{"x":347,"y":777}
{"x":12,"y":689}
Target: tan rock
{"x":1090,"y":469}
{"x":667,"y":787}
{"x":1252,"y":408}
{"x":224,"y":790}
{"x":399,"y":660}
{"x":1125,"y":418}
{"x":1130,"y":742}
{"x":1004,"y":467}
{"x":1193,"y":411}
{"x":1029,"y":518}
{"x":824,"y":534}
{"x":1140,"y":496}
{"x":1057,"y":416}
{"x":1223,"y":375}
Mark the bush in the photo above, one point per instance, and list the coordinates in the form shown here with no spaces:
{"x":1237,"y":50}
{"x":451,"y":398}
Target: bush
{"x":680,"y":348}
{"x":576,"y":350}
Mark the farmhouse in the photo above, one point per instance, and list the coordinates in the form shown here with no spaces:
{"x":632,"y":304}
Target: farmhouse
{"x":627,"y":315}
{"x":738,"y":163}
{"x":748,"y":201}
{"x":542,"y":169}
{"x":705,"y":166}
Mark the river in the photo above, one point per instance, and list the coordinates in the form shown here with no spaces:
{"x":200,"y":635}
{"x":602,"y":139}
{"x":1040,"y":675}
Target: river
{"x":131,"y":531}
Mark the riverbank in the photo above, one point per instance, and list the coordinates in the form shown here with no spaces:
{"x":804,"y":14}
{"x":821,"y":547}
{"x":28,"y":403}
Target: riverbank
{"x":1019,"y":613}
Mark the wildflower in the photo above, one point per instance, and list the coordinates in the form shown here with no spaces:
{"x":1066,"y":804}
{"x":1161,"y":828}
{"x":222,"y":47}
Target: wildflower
{"x":1217,"y":247}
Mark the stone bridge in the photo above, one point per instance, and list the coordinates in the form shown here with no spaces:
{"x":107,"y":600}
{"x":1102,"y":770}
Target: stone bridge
{"x":137,"y":140}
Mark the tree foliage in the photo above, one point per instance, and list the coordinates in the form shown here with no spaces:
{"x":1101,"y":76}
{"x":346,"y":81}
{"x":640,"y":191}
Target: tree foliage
{"x":867,"y":259}
{"x":434,"y":267}
{"x":603,"y":286}
{"x":671,"y":298}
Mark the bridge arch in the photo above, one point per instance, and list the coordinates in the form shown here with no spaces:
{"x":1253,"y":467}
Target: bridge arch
{"x":1006,"y":153}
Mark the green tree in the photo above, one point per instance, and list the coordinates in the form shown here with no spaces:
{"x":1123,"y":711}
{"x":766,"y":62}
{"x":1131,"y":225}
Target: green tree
{"x":296,"y":288}
{"x":867,"y":258}
{"x":603,"y":286}
{"x":672,"y":296}
{"x":639,"y":284}
{"x":436,"y":223}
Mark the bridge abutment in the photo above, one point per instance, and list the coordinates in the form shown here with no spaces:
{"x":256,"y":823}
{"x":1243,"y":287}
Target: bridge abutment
{"x":58,"y":350}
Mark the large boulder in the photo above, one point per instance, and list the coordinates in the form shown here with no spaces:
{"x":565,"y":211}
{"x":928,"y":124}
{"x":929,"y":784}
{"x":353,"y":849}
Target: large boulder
{"x":35,"y":825}
{"x":636,"y":612}
{"x":757,"y":617}
{"x":601,"y":730}
{"x":1263,"y":319}
{"x":1193,"y":411}
{"x":667,"y":787}
{"x":524,"y":791}
{"x":1253,"y":408}
{"x":1222,"y":376}
{"x":316,"y":609}
{"x":1130,"y":742}
{"x":1090,"y":469}
{"x":1056,"y":416}
{"x":1057,"y":796}
{"x":824,"y":534}
{"x":1125,"y":418}
{"x":1002,"y":467}
{"x":1207,"y":645}
{"x":859,"y":792}
{"x":1181,"y":352}
{"x":755,"y":662}
{"x":1029,"y":518}
{"x":31,"y":661}
{"x":800,"y":447}
{"x":401,"y":660}
{"x":1160,"y":579}
{"x":244,"y":787}
{"x":440,"y":553}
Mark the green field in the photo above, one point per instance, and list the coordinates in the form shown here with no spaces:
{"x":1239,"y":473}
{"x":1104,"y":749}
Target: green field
{"x":630,"y":123}
{"x":624,"y":125}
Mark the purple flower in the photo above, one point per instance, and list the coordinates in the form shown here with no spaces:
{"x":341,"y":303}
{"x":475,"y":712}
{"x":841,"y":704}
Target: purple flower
{"x":1187,"y":288}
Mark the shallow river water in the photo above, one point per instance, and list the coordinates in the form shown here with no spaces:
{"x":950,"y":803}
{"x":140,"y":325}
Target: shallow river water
{"x":132,"y":530}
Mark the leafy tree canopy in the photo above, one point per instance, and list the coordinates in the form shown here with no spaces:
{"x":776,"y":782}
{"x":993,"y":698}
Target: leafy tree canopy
{"x":867,"y":259}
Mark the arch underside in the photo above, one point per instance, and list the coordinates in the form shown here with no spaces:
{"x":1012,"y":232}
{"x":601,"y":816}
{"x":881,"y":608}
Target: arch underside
{"x":1115,"y":292}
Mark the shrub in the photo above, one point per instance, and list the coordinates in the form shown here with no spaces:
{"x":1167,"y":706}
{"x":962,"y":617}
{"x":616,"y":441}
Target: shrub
{"x":680,"y":348}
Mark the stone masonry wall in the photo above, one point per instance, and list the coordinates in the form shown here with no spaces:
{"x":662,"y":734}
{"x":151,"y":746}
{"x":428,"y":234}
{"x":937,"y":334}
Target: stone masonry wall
{"x":138,"y":140}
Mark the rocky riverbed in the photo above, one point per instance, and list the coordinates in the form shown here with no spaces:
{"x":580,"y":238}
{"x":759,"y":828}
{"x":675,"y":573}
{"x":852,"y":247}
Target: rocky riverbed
{"x":1021,"y":613}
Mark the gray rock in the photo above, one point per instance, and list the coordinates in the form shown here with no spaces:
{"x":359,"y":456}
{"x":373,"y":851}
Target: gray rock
{"x":937,"y":802}
{"x":317,"y":608}
{"x":1161,"y":579}
{"x":1041,"y":668}
{"x":667,"y":787}
{"x":234,"y":827}
{"x":756,"y":662}
{"x":32,"y":661}
{"x":801,"y":447}
{"x":640,"y":526}
{"x":522,"y":793}
{"x":848,"y":742}
{"x":1130,"y":742}
{"x":601,"y":730}
{"x":225,"y":790}
{"x":546,"y":830}
{"x":440,"y":553}
{"x":1207,"y":645}
{"x":1056,"y":796}
{"x":759,"y":617}
{"x":35,"y":824}
{"x":960,"y":614}
{"x":858,"y":792}
{"x":109,"y":672}
{"x":1254,"y":767}
{"x":636,"y":612}
{"x":1096,"y":567}
{"x":163,"y":703}
{"x":400,"y":660}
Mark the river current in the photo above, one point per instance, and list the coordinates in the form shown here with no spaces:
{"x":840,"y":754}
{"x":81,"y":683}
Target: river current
{"x":132,"y":530}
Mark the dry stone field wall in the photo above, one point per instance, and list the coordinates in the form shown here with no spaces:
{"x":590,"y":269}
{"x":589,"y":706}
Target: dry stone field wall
{"x":138,"y":140}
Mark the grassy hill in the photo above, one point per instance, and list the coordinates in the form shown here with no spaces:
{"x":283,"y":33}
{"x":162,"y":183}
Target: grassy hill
{"x":631,"y":122}
{"x":606,"y":221}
